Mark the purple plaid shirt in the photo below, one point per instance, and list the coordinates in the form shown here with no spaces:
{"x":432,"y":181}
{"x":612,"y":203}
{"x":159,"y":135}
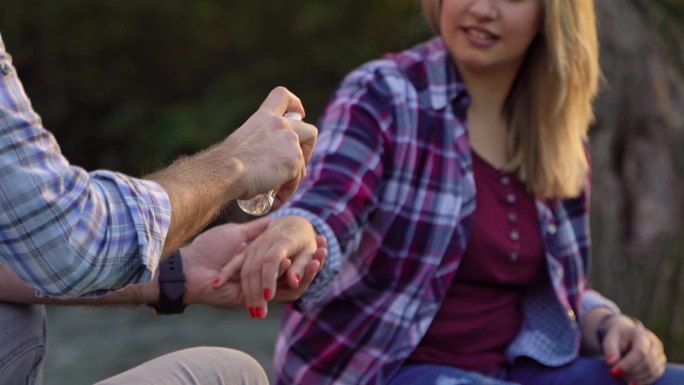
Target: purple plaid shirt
{"x":391,"y":186}
{"x":64,"y":231}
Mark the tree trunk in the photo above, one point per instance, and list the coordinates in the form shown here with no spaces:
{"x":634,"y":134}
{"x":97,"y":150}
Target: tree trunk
{"x":637,"y":145}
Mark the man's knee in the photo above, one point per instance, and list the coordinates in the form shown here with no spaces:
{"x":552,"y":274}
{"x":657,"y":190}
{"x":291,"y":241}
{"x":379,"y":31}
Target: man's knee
{"x":22,"y":343}
{"x":195,"y":366}
{"x":229,"y":364}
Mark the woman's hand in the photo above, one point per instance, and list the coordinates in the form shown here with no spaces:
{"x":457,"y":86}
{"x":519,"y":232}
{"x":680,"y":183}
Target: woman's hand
{"x":289,"y":248}
{"x":633,"y":352}
{"x":207,"y":255}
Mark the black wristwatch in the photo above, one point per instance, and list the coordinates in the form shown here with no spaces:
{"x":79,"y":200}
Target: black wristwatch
{"x":171,"y":285}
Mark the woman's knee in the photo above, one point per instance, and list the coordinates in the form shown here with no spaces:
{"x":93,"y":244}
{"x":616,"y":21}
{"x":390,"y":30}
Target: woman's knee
{"x":433,"y":374}
{"x":674,"y":375}
{"x":583,"y":370}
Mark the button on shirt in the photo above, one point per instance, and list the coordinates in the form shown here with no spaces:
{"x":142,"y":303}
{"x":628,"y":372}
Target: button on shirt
{"x":64,"y":231}
{"x":480,"y":314}
{"x":391,"y":186}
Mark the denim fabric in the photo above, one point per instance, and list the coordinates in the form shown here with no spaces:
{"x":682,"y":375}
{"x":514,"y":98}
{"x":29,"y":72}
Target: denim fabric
{"x":196,"y":366}
{"x":22,"y":344}
{"x":584,"y":370}
{"x":428,"y":374}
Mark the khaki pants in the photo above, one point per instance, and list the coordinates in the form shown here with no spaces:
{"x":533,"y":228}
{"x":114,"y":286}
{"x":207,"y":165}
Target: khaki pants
{"x":196,"y":366}
{"x":23,"y":343}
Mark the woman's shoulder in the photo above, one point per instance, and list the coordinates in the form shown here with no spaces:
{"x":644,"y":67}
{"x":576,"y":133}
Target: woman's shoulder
{"x":410,"y":70}
{"x":419,"y":56}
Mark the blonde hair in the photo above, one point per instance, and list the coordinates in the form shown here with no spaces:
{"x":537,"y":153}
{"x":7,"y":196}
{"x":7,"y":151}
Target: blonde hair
{"x":549,"y":108}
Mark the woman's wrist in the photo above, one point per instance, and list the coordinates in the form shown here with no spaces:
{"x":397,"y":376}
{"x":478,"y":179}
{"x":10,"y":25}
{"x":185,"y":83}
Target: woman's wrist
{"x":602,"y":328}
{"x":608,"y":321}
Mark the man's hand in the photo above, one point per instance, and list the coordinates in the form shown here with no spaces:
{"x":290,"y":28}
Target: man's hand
{"x":204,"y":258}
{"x":267,"y":152}
{"x":272,"y":150}
{"x":222,"y":246}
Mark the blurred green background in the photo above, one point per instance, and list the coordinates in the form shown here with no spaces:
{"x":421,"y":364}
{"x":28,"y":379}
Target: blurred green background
{"x":130,"y":85}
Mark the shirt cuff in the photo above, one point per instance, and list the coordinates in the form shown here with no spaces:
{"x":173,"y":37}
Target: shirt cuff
{"x":591,"y":300}
{"x":150,"y":210}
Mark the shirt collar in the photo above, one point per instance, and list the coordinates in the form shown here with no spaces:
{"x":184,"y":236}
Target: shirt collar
{"x":445,"y":83}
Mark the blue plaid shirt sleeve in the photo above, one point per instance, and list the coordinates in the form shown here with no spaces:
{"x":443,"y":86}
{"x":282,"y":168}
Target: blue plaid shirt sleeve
{"x":64,"y":231}
{"x":592,"y":299}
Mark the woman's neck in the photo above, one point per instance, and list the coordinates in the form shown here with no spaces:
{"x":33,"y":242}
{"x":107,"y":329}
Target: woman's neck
{"x":487,"y":125}
{"x":488,"y":89}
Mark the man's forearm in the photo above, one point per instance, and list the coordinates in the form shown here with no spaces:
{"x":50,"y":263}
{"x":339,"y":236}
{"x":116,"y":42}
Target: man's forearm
{"x":13,"y":289}
{"x":199,"y":187}
{"x":267,"y":152}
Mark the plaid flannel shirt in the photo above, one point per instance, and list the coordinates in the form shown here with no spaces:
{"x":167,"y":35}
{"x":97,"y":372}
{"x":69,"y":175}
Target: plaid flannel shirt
{"x":64,"y":231}
{"x":391,"y":186}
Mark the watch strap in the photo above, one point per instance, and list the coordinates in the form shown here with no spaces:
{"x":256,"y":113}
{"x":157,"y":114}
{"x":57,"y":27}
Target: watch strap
{"x":171,"y":285}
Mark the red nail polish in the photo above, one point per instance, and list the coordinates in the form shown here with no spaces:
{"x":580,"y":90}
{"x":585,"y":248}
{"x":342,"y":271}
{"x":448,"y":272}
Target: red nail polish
{"x":251,"y":312}
{"x":617,"y":373}
{"x":267,"y":294}
{"x":259,"y":312}
{"x":297,"y":278}
{"x":215,"y":282}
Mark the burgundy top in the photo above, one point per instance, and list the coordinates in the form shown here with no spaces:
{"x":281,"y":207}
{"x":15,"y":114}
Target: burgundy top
{"x":481,"y":314}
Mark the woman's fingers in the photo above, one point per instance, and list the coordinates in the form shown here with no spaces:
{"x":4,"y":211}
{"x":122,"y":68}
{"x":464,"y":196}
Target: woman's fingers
{"x":284,"y":265}
{"x":644,"y":361}
{"x":292,"y":294}
{"x":229,"y":270}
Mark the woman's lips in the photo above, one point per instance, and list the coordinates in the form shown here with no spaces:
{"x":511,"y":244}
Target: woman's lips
{"x":480,"y":37}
